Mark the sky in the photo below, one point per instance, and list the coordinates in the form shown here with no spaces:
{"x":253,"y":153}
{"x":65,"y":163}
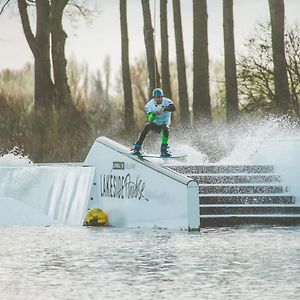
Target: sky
{"x":92,"y":42}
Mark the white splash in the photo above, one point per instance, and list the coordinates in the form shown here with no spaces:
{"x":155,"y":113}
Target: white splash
{"x":249,"y":139}
{"x":15,"y":159}
{"x":237,"y":143}
{"x":193,"y":156}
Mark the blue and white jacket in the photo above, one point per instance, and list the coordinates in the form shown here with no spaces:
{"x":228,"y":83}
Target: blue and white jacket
{"x":165,"y":117}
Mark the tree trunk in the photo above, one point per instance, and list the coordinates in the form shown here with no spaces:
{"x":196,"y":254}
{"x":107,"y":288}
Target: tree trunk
{"x":201,"y":97}
{"x":58,"y":40}
{"x":154,"y":77}
{"x":181,"y":68}
{"x":165,"y":68}
{"x":232,"y":102}
{"x":40,"y":46}
{"x":282,"y":93}
{"x":128,"y":102}
{"x":107,"y":71}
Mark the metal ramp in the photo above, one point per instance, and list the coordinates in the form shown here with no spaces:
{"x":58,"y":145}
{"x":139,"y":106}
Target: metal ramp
{"x":136,"y":192}
{"x":241,"y":194}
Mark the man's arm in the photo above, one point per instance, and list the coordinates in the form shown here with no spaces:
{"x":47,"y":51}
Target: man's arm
{"x":152,"y":115}
{"x":170,"y":107}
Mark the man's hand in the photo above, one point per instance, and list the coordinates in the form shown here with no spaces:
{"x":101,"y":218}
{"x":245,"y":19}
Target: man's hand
{"x":152,"y":115}
{"x":170,"y":107}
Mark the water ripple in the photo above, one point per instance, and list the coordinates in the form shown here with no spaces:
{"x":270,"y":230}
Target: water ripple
{"x":87,"y":263}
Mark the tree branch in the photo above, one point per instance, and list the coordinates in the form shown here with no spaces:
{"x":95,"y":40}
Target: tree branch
{"x":82,"y":8}
{"x":22,"y":4}
{"x":4,"y":6}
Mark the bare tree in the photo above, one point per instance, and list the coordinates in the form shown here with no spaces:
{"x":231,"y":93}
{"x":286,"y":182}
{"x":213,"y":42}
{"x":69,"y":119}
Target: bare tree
{"x":49,"y":90}
{"x":127,"y":88}
{"x":232,"y":102}
{"x":165,"y":68}
{"x":39,"y":44}
{"x":154,"y":77}
{"x":107,"y":71}
{"x":256,"y":70}
{"x":140,"y":84}
{"x":58,"y":41}
{"x":181,"y":67}
{"x":201,"y":97}
{"x":282,"y":93}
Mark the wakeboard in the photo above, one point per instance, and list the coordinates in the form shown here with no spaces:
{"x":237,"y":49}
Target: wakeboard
{"x":153,"y":155}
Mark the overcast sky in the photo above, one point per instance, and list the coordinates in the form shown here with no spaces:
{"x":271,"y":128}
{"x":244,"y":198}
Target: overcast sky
{"x":92,"y":43}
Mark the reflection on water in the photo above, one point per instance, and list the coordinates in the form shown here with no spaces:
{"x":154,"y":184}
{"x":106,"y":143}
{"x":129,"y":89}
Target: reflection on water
{"x":94,"y":263}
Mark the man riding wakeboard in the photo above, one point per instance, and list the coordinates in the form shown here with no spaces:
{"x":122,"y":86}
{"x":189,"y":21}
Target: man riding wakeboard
{"x":159,"y":110}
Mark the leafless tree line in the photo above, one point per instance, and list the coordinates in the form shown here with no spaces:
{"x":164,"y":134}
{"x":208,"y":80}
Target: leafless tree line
{"x":201,"y":91}
{"x":47,"y":44}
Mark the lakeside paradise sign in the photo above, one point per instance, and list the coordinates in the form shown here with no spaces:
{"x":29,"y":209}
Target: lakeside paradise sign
{"x":134,"y":191}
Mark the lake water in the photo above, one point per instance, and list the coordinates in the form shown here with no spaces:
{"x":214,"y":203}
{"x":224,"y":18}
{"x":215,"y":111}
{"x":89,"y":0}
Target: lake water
{"x":62,"y":262}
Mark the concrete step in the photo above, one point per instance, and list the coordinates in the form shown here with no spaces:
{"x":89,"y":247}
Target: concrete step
{"x":248,"y":210}
{"x":246,"y":199}
{"x":231,"y":195}
{"x":241,"y":189}
{"x":234,"y":220}
{"x":234,"y":178}
{"x":222,"y":169}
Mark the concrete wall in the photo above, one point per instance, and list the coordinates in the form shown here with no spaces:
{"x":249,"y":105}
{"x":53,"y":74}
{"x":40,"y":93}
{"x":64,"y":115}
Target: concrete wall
{"x":59,"y":193}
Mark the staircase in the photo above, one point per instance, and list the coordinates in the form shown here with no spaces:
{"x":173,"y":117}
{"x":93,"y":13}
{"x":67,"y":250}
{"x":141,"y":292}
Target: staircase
{"x":241,"y":194}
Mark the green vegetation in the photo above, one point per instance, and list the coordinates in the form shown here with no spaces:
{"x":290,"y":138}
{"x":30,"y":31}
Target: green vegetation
{"x":56,"y":133}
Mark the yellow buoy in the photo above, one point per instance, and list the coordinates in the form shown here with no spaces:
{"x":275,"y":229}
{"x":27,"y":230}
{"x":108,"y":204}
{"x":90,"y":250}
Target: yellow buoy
{"x":95,"y":217}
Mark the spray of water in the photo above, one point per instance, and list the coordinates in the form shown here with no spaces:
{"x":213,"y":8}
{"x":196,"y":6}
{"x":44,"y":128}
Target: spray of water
{"x":15,"y":158}
{"x":219,"y":143}
{"x":236,"y":143}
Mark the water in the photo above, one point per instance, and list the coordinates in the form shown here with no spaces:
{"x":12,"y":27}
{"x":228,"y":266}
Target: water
{"x":63,"y":262}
